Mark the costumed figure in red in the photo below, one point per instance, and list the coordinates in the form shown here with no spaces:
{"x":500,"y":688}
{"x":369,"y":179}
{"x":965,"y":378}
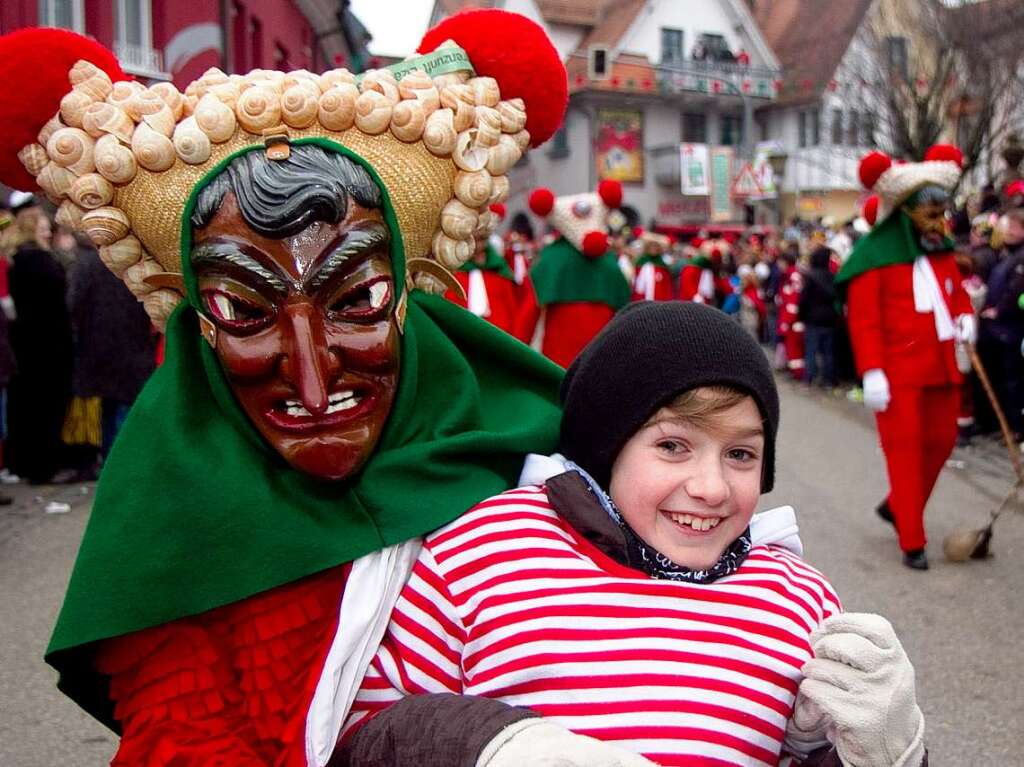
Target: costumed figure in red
{"x":790,"y":329}
{"x":320,"y":406}
{"x":577,"y":279}
{"x":907,"y":310}
{"x":701,"y":280}
{"x":653,"y":281}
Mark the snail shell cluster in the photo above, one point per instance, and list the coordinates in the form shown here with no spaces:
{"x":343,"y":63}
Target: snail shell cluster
{"x":105,"y":132}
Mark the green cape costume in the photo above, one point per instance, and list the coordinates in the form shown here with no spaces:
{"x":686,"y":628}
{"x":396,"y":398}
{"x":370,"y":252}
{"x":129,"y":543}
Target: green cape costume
{"x":563,"y":274}
{"x":891,"y":242}
{"x":194,"y":510}
{"x":493,"y":262}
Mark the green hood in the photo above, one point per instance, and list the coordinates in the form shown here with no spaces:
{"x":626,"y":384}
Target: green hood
{"x":494,"y":262}
{"x":564,"y":275}
{"x":194,"y":510}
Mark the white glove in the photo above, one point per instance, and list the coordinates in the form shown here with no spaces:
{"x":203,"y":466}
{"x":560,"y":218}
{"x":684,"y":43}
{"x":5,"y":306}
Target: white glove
{"x":876,"y":390}
{"x":860,"y":686}
{"x":542,"y":743}
{"x":967,"y":329}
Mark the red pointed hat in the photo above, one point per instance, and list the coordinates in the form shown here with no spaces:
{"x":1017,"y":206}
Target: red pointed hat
{"x":894,"y":182}
{"x":45,"y":80}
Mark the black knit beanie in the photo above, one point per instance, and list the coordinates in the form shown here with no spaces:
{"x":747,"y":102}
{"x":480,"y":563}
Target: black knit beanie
{"x":650,"y":353}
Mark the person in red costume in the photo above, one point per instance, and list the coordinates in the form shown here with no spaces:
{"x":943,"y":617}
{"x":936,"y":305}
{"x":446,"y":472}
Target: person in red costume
{"x":320,"y":406}
{"x":653,"y":281}
{"x":790,"y":329}
{"x":701,"y":280}
{"x":906,"y":311}
{"x":489,"y":288}
{"x":577,"y":279}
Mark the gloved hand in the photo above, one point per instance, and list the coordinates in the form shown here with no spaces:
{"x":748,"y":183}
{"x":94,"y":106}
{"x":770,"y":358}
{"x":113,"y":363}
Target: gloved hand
{"x":876,"y":390}
{"x":860,"y":688}
{"x":967,"y":329}
{"x":542,"y":743}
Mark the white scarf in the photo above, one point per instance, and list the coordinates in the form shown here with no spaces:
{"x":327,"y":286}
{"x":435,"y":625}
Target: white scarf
{"x":645,"y":281}
{"x":928,"y":297}
{"x":476,"y":297}
{"x":706,"y":286}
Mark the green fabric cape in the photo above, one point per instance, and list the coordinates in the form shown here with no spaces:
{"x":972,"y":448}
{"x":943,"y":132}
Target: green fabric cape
{"x":194,"y":510}
{"x":564,"y":275}
{"x":656,"y":260}
{"x":891,"y":242}
{"x":494,"y":262}
{"x":702,"y":261}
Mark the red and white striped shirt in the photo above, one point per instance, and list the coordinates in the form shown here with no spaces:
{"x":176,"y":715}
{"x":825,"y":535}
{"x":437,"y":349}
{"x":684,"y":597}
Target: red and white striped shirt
{"x":509,"y":602}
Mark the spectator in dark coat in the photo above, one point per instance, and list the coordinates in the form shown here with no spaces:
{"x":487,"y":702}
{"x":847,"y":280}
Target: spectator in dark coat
{"x":115,"y":349}
{"x":40,"y":389}
{"x":817,"y":311}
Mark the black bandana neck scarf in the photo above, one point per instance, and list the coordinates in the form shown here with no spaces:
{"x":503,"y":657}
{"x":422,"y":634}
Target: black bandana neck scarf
{"x":640,"y":555}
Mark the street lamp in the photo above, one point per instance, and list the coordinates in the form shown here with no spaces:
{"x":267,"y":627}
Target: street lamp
{"x":777,"y":161}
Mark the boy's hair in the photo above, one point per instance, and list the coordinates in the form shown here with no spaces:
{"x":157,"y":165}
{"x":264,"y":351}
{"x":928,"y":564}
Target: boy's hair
{"x":699,"y":406}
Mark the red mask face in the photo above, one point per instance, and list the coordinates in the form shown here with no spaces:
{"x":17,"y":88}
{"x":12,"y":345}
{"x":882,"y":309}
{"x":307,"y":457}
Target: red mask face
{"x":306,"y":332}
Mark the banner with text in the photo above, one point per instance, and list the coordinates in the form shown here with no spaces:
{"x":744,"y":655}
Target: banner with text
{"x":694,"y":170}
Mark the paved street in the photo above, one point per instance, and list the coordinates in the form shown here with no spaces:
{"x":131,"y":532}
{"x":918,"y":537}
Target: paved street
{"x":962,"y":624}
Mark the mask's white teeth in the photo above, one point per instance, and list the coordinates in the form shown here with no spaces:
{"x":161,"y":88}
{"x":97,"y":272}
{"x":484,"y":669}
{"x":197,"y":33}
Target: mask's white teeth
{"x":299,"y":412}
{"x":338,"y":396}
{"x":347,"y":404}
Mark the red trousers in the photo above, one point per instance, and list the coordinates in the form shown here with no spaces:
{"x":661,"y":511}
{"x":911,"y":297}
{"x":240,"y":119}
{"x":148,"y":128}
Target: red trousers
{"x":918,"y":432}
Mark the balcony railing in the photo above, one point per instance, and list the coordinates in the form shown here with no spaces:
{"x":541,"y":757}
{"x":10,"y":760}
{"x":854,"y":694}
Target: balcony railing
{"x":141,"y":60}
{"x":719,"y":78}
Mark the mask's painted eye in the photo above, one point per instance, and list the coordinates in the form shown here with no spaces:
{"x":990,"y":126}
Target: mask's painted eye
{"x":581,"y":209}
{"x":234,"y":312}
{"x":368,"y":301}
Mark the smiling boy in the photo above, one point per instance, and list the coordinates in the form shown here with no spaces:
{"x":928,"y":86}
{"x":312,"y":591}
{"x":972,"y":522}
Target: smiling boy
{"x":661,"y":617}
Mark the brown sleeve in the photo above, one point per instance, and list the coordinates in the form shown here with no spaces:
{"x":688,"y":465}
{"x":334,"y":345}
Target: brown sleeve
{"x":440,"y":730}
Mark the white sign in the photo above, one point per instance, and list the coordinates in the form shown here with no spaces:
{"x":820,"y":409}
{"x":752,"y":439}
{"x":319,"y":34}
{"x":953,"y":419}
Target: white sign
{"x":694,"y":169}
{"x":763,"y":167}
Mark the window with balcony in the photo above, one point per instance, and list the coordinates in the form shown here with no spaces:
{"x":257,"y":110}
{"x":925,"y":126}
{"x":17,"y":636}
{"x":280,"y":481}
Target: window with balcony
{"x":732,"y":130}
{"x":896,"y":52}
{"x":837,"y":127}
{"x":714,"y":48}
{"x":133,"y":37}
{"x":67,"y":14}
{"x":695,"y":127}
{"x":671,"y":47}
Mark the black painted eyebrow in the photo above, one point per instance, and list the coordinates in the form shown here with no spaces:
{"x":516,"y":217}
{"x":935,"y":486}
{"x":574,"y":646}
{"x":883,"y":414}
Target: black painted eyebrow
{"x":217,"y":253}
{"x":357,"y":241}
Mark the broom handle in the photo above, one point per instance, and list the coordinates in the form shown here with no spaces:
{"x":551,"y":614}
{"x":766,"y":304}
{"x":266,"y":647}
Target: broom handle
{"x":986,"y":384}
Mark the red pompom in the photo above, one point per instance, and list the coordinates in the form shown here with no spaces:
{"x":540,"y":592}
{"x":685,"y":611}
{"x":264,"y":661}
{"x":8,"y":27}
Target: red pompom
{"x":610,"y":193}
{"x":945,"y":153}
{"x":518,"y":54}
{"x":1013,"y":189}
{"x":697,"y":242}
{"x":872,"y":167}
{"x":34,"y":62}
{"x":499,"y":208}
{"x":638,"y":232}
{"x":542,"y":200}
{"x":595,"y":244}
{"x":870,"y":211}
{"x":716,"y":254}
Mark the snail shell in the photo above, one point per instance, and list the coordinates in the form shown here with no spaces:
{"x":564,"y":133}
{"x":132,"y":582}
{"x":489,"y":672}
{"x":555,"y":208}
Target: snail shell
{"x":502,"y":157}
{"x":486,"y":224}
{"x":102,"y":119}
{"x":488,"y":126}
{"x":458,"y":220}
{"x":499,"y":189}
{"x":414,"y":81}
{"x":428,"y":284}
{"x":122,"y":254}
{"x":154,"y":151}
{"x":90,"y":79}
{"x":69,"y":215}
{"x":302,"y":77}
{"x":258,"y":108}
{"x":159,"y":305}
{"x":105,"y":225}
{"x":114,"y":161}
{"x":52,"y":125}
{"x":337,"y":108}
{"x":451,"y":254}
{"x":143,"y":103}
{"x":73,"y":106}
{"x":452,"y":78}
{"x":215,"y":76}
{"x":34,"y":157}
{"x":465,"y":116}
{"x":486,"y":91}
{"x":171,"y":97}
{"x":466,"y":156}
{"x":226,"y":92}
{"x":135,"y":276}
{"x":189,"y":103}
{"x":453,"y":94}
{"x":299,"y":105}
{"x":383,"y":82}
{"x":439,"y":134}
{"x":513,"y":115}
{"x":162,"y":121}
{"x":522,"y":139}
{"x":91,"y":191}
{"x":215,"y":118}
{"x":334,"y":77}
{"x":408,"y":120}
{"x":55,"y":180}
{"x":72,"y":148}
{"x":473,"y":189}
{"x":123,"y":92}
{"x":192,"y":145}
{"x":373,"y":112}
